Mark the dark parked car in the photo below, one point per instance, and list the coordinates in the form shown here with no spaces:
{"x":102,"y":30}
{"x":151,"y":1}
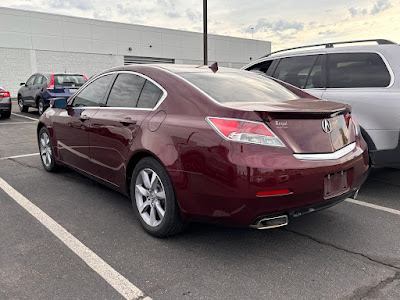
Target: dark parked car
{"x":187,"y":144}
{"x":5,"y":103}
{"x":40,"y":88}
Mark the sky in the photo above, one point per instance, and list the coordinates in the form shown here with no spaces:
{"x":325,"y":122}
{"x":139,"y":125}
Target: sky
{"x":286,"y":23}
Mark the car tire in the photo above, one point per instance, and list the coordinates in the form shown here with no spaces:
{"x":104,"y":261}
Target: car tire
{"x":22,"y":107}
{"x":46,"y":150}
{"x":153,"y":199}
{"x":6,"y":115}
{"x":40,"y":106}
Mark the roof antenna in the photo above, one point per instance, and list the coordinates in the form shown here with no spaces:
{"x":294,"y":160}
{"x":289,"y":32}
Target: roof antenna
{"x":214,"y":67}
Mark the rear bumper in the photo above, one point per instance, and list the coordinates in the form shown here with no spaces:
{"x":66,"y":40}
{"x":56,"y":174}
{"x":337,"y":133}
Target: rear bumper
{"x":4,"y":107}
{"x":227,"y":193}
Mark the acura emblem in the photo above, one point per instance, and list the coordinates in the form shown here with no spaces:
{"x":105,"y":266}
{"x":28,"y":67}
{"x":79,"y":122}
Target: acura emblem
{"x":326,"y":126}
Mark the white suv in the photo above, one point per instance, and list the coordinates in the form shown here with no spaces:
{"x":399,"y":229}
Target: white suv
{"x":359,"y":73}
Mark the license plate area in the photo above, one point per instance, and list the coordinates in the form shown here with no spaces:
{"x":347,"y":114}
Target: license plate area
{"x":335,"y":184}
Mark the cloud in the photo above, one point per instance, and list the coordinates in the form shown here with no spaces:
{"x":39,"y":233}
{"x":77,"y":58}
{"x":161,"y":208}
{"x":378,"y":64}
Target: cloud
{"x":380,"y":6}
{"x":278,"y":26}
{"x":68,"y":4}
{"x":173,"y":14}
{"x":328,"y":32}
{"x":357,"y":11}
{"x":194,"y":15}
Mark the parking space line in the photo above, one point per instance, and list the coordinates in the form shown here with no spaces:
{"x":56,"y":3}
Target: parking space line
{"x":22,"y":116}
{"x":13,"y":123}
{"x":374,"y":206}
{"x":109,"y":274}
{"x":18,"y":156}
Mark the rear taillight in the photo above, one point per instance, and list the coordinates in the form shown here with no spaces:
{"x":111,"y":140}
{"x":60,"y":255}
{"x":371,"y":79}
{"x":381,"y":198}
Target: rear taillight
{"x":51,"y":85}
{"x":84,"y":77}
{"x":347,"y":118}
{"x":4,"y":94}
{"x":245,"y":131}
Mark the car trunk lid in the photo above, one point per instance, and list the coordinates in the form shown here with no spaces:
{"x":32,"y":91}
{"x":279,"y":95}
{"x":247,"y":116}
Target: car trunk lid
{"x":306,"y":125}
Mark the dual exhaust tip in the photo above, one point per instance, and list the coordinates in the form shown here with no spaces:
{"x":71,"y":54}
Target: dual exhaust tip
{"x":272,"y":222}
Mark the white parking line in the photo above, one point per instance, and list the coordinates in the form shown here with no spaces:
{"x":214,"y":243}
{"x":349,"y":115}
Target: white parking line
{"x":115,"y":279}
{"x":18,"y":156}
{"x":14,"y":123}
{"x":374,"y":206}
{"x":22,"y":116}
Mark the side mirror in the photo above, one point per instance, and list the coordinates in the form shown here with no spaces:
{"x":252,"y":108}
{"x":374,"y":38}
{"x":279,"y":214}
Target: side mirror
{"x":58,"y":103}
{"x":22,"y":84}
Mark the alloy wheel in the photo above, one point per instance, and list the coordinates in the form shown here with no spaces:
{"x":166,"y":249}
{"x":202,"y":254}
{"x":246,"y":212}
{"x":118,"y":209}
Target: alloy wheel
{"x":150,"y":197}
{"x":45,"y":149}
{"x":40,"y":107}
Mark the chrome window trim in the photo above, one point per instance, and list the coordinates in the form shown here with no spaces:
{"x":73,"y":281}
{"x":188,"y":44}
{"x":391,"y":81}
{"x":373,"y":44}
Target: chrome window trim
{"x":327,"y":156}
{"x":165,"y":93}
{"x":191,"y":84}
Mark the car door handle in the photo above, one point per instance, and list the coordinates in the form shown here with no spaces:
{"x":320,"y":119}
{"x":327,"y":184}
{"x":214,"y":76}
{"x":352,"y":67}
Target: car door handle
{"x":84,"y":118}
{"x":127,"y":122}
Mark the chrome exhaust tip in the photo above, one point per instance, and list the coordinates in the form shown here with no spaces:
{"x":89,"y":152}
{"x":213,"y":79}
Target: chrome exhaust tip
{"x":269,"y":223}
{"x":355,"y":194}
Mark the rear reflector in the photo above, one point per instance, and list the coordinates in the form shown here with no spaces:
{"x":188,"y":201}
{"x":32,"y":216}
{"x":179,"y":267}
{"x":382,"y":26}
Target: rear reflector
{"x":274,"y":193}
{"x":243,"y":131}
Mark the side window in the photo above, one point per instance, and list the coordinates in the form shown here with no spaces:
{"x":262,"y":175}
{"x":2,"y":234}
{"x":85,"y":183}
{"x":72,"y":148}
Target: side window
{"x":261,"y":67}
{"x":295,"y":70}
{"x":149,"y":96}
{"x":350,"y":70}
{"x":126,"y":90}
{"x":31,"y":80}
{"x":317,"y":76}
{"x":93,"y":94}
{"x":39,"y":79}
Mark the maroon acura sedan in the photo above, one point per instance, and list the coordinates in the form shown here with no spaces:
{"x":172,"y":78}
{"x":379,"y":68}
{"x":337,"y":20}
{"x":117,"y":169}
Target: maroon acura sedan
{"x":189,"y":144}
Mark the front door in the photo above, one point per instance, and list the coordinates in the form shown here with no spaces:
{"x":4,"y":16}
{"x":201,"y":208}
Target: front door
{"x":72,"y":126}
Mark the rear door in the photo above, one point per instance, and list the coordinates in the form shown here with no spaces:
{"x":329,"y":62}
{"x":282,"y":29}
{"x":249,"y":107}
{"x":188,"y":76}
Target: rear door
{"x":362,"y":80}
{"x":305,"y":72}
{"x":71,"y":126}
{"x":115,"y":126}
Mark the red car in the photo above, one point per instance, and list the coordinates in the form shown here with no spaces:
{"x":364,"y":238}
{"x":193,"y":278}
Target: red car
{"x":190,"y":144}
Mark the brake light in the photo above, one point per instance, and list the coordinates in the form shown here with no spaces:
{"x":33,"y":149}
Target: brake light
{"x":244,"y":131}
{"x":84,"y":77}
{"x":4,"y":94}
{"x":347,"y":118}
{"x":51,"y":85}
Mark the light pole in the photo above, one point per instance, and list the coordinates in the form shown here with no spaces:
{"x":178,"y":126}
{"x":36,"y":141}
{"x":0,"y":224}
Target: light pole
{"x":252,"y":29}
{"x":205,"y":32}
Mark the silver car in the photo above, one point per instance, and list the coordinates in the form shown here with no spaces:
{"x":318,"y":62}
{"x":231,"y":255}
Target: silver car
{"x":5,"y":104}
{"x":359,"y":73}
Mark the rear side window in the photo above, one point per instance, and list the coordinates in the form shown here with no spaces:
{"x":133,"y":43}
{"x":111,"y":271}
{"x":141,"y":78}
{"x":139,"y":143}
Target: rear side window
{"x":40,"y":79}
{"x":150,"y":95}
{"x":295,"y":70}
{"x":93,"y":94}
{"x":69,"y":79}
{"x":126,"y":90}
{"x":353,"y":70}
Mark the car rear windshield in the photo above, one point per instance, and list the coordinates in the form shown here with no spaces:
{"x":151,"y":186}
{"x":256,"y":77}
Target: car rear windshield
{"x":69,"y":79}
{"x":239,"y":87}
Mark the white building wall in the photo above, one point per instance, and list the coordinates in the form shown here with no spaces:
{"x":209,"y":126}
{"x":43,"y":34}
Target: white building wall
{"x":40,"y":42}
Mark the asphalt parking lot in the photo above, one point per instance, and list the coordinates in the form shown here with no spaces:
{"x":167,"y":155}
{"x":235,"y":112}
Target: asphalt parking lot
{"x":63,"y":236}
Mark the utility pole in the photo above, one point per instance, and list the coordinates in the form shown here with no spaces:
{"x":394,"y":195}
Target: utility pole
{"x":205,"y":39}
